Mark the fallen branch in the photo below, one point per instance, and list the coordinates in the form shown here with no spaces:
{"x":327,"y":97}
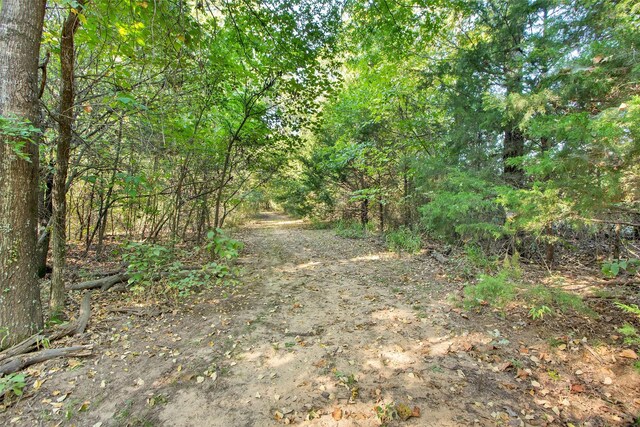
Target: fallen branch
{"x":622,"y":282}
{"x":34,"y":342}
{"x":104,"y":284}
{"x":20,"y":362}
{"x":107,"y":282}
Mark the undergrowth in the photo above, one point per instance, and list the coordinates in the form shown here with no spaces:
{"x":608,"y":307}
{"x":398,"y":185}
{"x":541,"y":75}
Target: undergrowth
{"x":352,"y":229}
{"x":403,"y":240}
{"x":150,"y":263}
{"x":505,"y":287}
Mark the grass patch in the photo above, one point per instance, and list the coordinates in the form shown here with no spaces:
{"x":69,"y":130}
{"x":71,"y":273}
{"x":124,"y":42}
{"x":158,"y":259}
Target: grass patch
{"x":403,"y":240}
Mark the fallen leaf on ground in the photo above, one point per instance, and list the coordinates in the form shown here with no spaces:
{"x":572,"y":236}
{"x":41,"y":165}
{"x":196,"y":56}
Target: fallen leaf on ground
{"x":577,"y":388}
{"x":628,"y":354}
{"x":337,"y":414}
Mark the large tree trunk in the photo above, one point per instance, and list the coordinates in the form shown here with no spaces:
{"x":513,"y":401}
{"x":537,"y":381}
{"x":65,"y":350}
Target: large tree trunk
{"x":21,"y":24}
{"x":65,"y":121}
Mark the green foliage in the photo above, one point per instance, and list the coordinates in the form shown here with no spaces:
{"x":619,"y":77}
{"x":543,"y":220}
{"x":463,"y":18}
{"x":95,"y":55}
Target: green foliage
{"x":539,"y":312}
{"x":504,"y":287}
{"x":630,"y":333}
{"x":463,"y":207}
{"x":615,"y":267}
{"x":552,"y":299}
{"x":221,"y":246}
{"x":149,"y":263}
{"x":351,"y":229}
{"x":496,"y":291}
{"x":403,"y":240}
{"x":631,"y":309}
{"x":479,"y":259}
{"x":12,"y":384}
{"x":17,"y":133}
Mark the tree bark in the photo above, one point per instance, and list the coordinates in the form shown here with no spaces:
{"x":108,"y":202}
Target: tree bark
{"x":21,"y":23}
{"x":65,"y":121}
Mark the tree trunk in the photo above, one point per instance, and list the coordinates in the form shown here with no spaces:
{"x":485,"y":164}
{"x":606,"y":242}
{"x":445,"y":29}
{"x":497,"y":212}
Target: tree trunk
{"x":65,"y":121}
{"x":513,"y":147}
{"x":364,"y":212}
{"x":21,"y":23}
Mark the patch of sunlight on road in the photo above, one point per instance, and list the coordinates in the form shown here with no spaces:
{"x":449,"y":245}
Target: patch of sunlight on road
{"x":280,"y":360}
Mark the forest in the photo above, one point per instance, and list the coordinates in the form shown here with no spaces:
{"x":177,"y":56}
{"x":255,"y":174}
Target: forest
{"x":342,"y":212}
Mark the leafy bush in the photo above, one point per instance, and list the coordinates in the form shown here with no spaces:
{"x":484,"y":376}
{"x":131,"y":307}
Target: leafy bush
{"x":149,"y":263}
{"x":615,"y":267}
{"x":478,"y":259}
{"x":352,"y":229}
{"x":504,"y":287}
{"x":403,"y":240}
{"x":221,"y":246}
{"x":630,"y":334}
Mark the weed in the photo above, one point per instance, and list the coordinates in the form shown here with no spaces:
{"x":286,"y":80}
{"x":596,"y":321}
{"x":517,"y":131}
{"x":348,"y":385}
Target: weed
{"x":478,"y":259}
{"x":615,"y":267}
{"x":352,"y":229}
{"x":317,"y":224}
{"x":636,"y":366}
{"x":386,"y":412}
{"x":496,"y":291}
{"x":553,"y":374}
{"x":403,"y":240}
{"x":630,"y":333}
{"x":631,"y":309}
{"x":539,"y":312}
{"x":12,"y":384}
{"x":516,"y":363}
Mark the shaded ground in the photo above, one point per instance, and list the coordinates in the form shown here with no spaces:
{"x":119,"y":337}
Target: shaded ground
{"x":324,"y":330}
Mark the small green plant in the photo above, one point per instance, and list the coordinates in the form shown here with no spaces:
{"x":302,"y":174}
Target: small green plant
{"x":318,"y":224}
{"x":636,"y":366}
{"x":478,"y":259}
{"x":630,"y":334}
{"x":546,"y":299}
{"x":553,"y":374}
{"x":495,"y":291}
{"x":386,"y":412}
{"x":20,"y":132}
{"x":221,"y":246}
{"x":539,"y":312}
{"x":631,"y":309}
{"x":149,"y":263}
{"x":12,"y":384}
{"x":403,"y":240}
{"x":617,"y":266}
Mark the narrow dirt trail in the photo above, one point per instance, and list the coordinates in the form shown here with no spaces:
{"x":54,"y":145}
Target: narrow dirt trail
{"x":332,"y":328}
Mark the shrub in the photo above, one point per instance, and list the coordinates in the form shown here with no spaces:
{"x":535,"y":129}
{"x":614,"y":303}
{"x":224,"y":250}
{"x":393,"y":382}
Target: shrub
{"x":403,"y":240}
{"x":495,"y":291}
{"x":352,"y":229}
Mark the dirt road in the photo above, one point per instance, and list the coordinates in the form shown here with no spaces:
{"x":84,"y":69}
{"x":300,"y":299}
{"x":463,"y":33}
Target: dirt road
{"x":323,"y":331}
{"x":333,"y":328}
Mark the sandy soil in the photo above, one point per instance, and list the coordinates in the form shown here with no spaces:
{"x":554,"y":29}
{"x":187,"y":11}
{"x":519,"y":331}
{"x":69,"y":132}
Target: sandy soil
{"x":323,"y":331}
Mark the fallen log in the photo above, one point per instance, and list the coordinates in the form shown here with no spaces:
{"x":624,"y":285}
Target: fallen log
{"x":36,"y":341}
{"x":106,"y":283}
{"x":25,"y":346}
{"x":20,"y":362}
